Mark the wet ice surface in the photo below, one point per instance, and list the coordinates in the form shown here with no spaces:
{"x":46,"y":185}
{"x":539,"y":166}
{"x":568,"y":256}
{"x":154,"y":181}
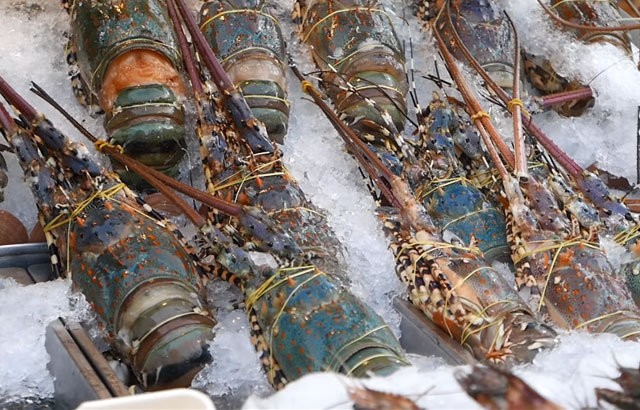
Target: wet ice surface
{"x":566,"y":375}
{"x":611,"y":74}
{"x":33,"y":42}
{"x":25,"y":311}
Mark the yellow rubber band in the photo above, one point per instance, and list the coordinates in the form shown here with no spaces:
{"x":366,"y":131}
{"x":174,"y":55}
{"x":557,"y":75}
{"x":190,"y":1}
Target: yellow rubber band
{"x":480,"y":115}
{"x":512,"y":103}
{"x":237,"y":11}
{"x":251,"y":50}
{"x":328,"y":16}
{"x":627,"y":235}
{"x":102,"y":144}
{"x":555,"y":246}
{"x":268,"y":97}
{"x":240,"y":177}
{"x":271,"y":283}
{"x":467,"y":332}
{"x":58,"y":221}
{"x":306,"y":86}
{"x":439,"y":183}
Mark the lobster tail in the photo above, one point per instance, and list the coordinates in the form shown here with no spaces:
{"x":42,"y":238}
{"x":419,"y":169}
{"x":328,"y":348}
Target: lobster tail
{"x":250,"y":45}
{"x":298,"y":307}
{"x":356,"y":46}
{"x":482,"y":29}
{"x":154,"y":310}
{"x":131,"y":67}
{"x":160,"y":324}
{"x":148,"y":122}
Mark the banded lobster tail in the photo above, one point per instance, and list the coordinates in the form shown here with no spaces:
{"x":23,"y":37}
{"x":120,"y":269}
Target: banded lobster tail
{"x":480,"y":25}
{"x":358,"y":52}
{"x":569,"y":277}
{"x":249,"y":43}
{"x":130,"y":266}
{"x":450,"y":283}
{"x":124,"y":57}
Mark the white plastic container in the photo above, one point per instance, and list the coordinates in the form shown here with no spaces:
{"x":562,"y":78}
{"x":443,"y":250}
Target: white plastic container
{"x":184,"y":399}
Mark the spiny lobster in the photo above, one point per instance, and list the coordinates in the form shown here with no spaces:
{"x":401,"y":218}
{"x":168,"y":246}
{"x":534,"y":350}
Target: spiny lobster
{"x":575,"y":281}
{"x":452,"y":284}
{"x":124,"y":257}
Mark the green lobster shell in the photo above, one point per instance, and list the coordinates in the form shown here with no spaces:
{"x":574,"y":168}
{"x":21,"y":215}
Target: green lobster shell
{"x":147,"y":120}
{"x":482,"y":28}
{"x":356,"y":38}
{"x":249,"y":43}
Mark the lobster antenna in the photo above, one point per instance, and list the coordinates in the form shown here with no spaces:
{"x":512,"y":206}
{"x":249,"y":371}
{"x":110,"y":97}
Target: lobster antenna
{"x":364,"y":158}
{"x":589,"y":184}
{"x":472,"y":103}
{"x":567,"y":162}
{"x":632,"y":8}
{"x":479,"y":117}
{"x":249,"y":127}
{"x":393,"y":187}
{"x":568,"y":23}
{"x":186,"y":51}
{"x":139,"y":168}
{"x":412,"y":80}
{"x":350,"y":88}
{"x":515,"y":106}
{"x":144,"y":170}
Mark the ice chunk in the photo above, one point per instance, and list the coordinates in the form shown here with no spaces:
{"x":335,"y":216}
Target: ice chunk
{"x":25,"y":312}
